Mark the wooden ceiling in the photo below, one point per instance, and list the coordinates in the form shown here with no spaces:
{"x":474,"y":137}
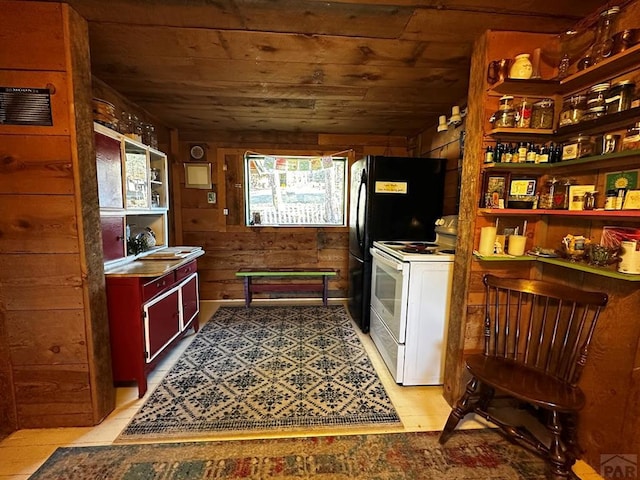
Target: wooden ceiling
{"x":380,"y":67}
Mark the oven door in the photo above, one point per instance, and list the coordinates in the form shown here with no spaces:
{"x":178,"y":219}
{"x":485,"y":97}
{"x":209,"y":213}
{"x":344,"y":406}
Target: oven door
{"x":389,"y":289}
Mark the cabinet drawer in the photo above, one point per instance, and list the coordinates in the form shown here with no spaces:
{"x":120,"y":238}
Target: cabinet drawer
{"x":157,"y":285}
{"x":186,"y":270}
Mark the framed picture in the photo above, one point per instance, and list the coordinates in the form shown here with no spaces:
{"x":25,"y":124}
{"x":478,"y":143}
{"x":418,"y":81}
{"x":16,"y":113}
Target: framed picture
{"x":495,"y":190}
{"x":576,"y":195}
{"x":522,"y":187}
{"x":197,"y":175}
{"x":616,"y":180}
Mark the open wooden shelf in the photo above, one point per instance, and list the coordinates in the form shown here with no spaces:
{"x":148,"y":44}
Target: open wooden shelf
{"x":523,"y":212}
{"x":535,"y":87}
{"x":520,"y":132}
{"x":564,"y":263}
{"x":626,"y":158}
{"x":614,"y":66}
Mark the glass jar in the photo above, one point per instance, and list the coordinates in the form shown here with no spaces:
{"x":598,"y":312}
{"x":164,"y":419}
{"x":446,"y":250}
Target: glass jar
{"x":506,"y":116}
{"x":573,"y":109}
{"x":524,"y":114}
{"x":619,"y":96}
{"x":631,"y":140}
{"x":596,"y":95}
{"x":542,"y":114}
{"x":546,"y":199}
{"x":603,"y":43}
{"x":610,"y":143}
{"x":593,"y":113}
{"x":578,"y":147}
{"x":589,"y":200}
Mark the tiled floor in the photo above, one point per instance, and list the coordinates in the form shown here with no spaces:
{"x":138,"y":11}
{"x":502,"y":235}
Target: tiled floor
{"x":420,"y":408}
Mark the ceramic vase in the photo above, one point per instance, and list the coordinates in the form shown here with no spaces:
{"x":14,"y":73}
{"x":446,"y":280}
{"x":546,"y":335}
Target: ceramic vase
{"x":521,"y":67}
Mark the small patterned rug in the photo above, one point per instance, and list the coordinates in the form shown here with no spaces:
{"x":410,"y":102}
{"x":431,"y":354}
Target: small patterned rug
{"x":468,"y":455}
{"x":265,"y":368}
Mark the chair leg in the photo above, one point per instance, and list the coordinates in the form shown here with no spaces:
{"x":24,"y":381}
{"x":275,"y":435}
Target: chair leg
{"x":459,"y":411}
{"x":557,"y":457}
{"x":570,"y":438}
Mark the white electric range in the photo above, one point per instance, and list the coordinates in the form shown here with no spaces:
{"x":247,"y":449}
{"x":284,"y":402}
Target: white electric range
{"x":410,"y":297}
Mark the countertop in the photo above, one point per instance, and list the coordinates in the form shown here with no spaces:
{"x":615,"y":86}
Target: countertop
{"x":151,"y":268}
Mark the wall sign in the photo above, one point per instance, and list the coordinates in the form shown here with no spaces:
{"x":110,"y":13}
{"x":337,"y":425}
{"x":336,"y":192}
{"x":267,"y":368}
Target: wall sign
{"x":25,"y":106}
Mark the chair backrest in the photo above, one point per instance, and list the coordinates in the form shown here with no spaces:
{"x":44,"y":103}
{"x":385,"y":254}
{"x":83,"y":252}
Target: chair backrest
{"x":543,"y":325}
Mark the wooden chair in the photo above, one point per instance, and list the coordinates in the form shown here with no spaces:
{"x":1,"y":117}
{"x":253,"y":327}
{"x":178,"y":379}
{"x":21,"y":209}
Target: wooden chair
{"x":536,"y":338}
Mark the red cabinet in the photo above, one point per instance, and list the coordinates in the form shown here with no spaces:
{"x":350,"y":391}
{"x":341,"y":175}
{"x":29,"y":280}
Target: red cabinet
{"x":146,"y":316}
{"x":113,"y":238}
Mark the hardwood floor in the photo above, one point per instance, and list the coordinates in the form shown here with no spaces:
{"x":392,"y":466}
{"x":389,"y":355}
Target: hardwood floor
{"x":420,"y":408}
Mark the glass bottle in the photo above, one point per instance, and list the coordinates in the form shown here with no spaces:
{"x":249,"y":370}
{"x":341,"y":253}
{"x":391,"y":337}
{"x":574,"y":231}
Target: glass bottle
{"x":522,"y":152}
{"x":498,"y":152}
{"x":488,"y":155}
{"x":543,"y":156}
{"x":507,"y":155}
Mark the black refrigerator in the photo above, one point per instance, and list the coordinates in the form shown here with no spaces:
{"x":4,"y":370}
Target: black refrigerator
{"x":391,"y":198}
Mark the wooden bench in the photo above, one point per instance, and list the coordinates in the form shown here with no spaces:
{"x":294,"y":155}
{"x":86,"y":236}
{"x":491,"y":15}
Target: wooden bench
{"x":250,"y":287}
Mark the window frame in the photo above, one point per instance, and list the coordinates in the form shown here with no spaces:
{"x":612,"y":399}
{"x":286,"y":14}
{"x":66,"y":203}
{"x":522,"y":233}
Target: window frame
{"x":344,"y":157}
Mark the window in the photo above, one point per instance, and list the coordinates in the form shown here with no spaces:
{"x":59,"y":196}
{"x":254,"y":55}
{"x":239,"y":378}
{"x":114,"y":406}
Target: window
{"x":295,"y":190}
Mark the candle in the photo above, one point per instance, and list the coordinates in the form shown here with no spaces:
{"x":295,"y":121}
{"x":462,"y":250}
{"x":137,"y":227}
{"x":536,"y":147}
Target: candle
{"x":487,"y":240}
{"x":516,"y":244}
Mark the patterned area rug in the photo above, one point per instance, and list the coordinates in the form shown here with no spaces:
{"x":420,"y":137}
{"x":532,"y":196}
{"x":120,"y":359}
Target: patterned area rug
{"x":478,"y":454}
{"x":266,"y":368}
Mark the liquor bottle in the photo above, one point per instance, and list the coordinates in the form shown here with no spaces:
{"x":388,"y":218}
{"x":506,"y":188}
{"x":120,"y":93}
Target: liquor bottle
{"x":488,"y":155}
{"x":498,"y":152}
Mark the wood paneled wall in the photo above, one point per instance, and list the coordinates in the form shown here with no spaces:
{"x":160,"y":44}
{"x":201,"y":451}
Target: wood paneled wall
{"x":231,"y":245}
{"x":55,"y":367}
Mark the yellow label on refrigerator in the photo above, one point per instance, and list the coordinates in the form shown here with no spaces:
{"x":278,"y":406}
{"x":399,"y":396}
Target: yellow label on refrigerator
{"x":391,"y":187}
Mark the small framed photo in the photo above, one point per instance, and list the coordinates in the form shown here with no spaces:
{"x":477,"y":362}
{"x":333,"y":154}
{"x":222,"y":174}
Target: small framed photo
{"x":523,"y":186}
{"x":632,"y":200}
{"x":495,"y":190}
{"x":197,"y":175}
{"x":576,"y":195}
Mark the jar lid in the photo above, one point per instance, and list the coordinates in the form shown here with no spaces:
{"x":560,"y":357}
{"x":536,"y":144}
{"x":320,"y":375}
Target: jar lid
{"x":545,"y":102}
{"x":505,"y":98}
{"x":611,"y":11}
{"x":600,"y":87}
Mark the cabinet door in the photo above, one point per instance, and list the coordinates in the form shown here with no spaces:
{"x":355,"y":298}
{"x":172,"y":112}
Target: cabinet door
{"x":113,"y":238}
{"x":109,"y":168}
{"x":137,"y":177}
{"x":161,"y":322}
{"x":189,"y":300}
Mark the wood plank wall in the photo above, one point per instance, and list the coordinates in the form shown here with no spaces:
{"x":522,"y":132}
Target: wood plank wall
{"x":55,"y":367}
{"x":609,"y":422}
{"x":231,"y":245}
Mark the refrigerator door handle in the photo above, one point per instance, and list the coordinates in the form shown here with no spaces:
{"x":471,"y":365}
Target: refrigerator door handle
{"x":363,"y":184}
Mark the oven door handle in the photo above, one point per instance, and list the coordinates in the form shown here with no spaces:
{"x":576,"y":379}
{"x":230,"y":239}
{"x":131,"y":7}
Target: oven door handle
{"x":386,"y":259}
